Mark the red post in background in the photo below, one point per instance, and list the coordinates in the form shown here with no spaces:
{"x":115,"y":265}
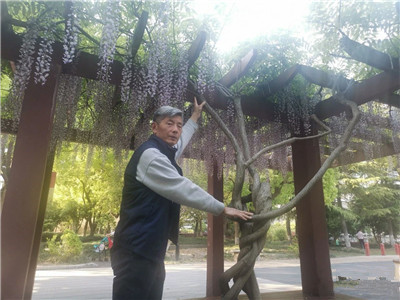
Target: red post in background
{"x":382,"y":248}
{"x":397,"y":248}
{"x":366,"y":245}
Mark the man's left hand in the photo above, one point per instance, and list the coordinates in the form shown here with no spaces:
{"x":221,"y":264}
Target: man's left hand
{"x":235,"y":213}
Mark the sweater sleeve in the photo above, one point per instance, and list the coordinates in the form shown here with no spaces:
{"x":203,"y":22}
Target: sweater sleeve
{"x":187,"y":132}
{"x":157,"y":173}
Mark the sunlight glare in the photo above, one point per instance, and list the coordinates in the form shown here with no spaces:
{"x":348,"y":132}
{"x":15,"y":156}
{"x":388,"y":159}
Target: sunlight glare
{"x":247,"y":19}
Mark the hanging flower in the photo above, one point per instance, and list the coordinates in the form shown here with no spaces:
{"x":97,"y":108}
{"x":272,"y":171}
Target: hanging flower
{"x":108,"y":40}
{"x":71,"y":34}
{"x":43,"y":61}
{"x":25,"y":62}
{"x":126,"y":81}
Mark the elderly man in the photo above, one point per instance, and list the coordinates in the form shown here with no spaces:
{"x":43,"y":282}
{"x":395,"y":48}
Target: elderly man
{"x":154,"y":189}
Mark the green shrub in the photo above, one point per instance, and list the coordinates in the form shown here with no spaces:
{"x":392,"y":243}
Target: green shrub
{"x":71,"y":246}
{"x":54,"y":247}
{"x":48,"y":235}
{"x":277,"y":232}
{"x":294,"y":247}
{"x":68,"y":249}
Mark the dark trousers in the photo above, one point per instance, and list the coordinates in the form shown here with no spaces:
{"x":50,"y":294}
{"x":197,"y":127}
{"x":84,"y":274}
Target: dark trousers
{"x":136,"y":277}
{"x":361,"y":243}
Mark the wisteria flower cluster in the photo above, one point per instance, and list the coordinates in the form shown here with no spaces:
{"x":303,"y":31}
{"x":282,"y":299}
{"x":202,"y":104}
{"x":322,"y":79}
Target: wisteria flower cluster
{"x":206,"y":73}
{"x":68,"y":94}
{"x":126,"y":81}
{"x":108,"y":40}
{"x":71,"y":34}
{"x":180,"y":84}
{"x":43,"y":60}
{"x":25,"y":62}
{"x":160,"y":70}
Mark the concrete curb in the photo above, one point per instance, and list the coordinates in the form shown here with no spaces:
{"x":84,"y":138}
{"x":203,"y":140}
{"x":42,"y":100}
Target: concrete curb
{"x":63,"y":267}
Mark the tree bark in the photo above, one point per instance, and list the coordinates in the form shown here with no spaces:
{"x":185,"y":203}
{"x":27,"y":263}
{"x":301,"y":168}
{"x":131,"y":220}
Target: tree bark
{"x":391,"y":235}
{"x":288,"y":229}
{"x":344,"y":226}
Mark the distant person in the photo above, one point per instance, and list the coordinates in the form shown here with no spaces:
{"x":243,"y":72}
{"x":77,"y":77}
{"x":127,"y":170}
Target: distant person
{"x":360,"y":236}
{"x":154,"y":189}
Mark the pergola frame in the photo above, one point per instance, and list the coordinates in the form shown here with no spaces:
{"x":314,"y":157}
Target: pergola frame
{"x":26,"y":196}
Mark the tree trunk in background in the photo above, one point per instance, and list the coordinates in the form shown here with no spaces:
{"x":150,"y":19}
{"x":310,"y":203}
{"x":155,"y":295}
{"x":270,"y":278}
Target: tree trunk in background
{"x":85,"y":229}
{"x":237,"y":230}
{"x":288,"y":230}
{"x":196,"y":229}
{"x":344,"y":226}
{"x":391,"y":235}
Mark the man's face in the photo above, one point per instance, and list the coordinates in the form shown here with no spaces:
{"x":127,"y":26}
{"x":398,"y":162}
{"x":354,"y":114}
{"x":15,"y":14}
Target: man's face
{"x":169,"y":129}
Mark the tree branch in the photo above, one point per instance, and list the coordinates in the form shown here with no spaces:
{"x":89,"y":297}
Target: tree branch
{"x":242,"y":128}
{"x":290,"y":141}
{"x":335,"y":153}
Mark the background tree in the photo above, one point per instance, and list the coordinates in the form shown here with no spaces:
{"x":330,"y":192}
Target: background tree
{"x":88,"y":189}
{"x":373,"y":188}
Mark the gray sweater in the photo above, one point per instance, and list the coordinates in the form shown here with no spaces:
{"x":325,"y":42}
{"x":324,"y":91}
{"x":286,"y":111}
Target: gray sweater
{"x":157,"y":173}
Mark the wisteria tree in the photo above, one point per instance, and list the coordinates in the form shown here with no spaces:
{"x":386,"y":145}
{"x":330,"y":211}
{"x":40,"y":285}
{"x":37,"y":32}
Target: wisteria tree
{"x":253,"y":234}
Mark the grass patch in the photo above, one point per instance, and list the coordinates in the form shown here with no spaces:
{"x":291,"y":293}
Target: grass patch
{"x":346,"y":283}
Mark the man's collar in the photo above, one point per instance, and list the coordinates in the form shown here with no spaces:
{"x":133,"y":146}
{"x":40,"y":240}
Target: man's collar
{"x":172,"y":148}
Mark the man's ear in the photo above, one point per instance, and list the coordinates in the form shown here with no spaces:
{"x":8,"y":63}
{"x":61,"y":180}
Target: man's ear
{"x":154,"y":126}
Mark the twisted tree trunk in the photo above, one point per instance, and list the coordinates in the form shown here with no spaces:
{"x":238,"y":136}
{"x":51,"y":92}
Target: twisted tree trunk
{"x":253,"y":234}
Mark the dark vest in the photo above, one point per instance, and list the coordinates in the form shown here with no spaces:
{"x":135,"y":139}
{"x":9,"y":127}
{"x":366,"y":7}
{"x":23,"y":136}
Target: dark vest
{"x":147,"y":220}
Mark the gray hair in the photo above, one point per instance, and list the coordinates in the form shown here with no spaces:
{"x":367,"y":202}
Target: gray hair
{"x":166,"y":111}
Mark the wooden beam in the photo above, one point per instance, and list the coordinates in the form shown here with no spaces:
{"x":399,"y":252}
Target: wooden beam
{"x":253,"y":105}
{"x":357,"y":154}
{"x":5,"y":16}
{"x":363,"y":92}
{"x":271,"y":87}
{"x":139,"y":32}
{"x":196,"y":47}
{"x":370,"y":56}
{"x":239,"y":69}
{"x":325,"y":79}
{"x":391,"y":99}
{"x":85,"y":64}
{"x":368,"y":136}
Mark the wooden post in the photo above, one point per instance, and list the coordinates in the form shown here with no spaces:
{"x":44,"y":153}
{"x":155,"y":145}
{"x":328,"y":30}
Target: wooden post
{"x":48,"y":184}
{"x":215,"y":238}
{"x":22,"y":200}
{"x":316,"y":274}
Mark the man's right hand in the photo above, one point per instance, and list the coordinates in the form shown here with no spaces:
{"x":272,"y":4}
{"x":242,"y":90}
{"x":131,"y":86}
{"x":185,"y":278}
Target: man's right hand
{"x":235,"y":213}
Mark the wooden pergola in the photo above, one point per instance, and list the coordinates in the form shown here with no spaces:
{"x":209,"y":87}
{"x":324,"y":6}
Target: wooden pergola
{"x":25,"y":200}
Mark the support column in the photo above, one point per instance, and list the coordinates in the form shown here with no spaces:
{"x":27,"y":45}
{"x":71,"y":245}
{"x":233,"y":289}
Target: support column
{"x":48,"y":183}
{"x":215,"y":238}
{"x":316,"y":274}
{"x":22,"y":200}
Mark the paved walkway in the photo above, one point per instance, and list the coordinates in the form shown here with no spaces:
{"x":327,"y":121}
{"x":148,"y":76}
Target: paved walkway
{"x":185,"y":281}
